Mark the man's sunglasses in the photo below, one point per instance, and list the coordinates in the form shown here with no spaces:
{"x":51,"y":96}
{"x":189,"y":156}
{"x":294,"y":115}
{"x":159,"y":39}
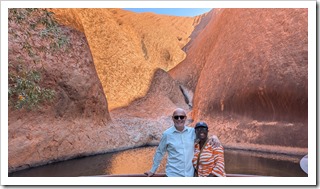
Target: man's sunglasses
{"x":177,"y":117}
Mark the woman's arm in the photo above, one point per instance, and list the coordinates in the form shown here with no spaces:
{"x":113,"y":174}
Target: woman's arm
{"x":218,"y":170}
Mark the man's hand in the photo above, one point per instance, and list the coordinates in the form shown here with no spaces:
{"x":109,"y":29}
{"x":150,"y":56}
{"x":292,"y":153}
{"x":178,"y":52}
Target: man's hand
{"x":149,"y":174}
{"x":214,"y":141}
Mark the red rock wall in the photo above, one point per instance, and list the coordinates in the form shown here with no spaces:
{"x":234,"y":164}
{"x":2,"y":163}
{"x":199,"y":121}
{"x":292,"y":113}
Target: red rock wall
{"x":63,"y":128}
{"x":68,"y":70}
{"x":249,"y":72}
{"x":259,"y":67}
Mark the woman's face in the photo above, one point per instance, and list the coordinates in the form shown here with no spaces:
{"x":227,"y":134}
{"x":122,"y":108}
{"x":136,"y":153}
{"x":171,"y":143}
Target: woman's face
{"x":202,"y":133}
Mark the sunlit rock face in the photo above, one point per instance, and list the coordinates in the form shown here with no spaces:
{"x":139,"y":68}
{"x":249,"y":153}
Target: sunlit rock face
{"x":248,"y":69}
{"x":163,"y":96}
{"x":146,"y":118}
{"x":112,"y":53}
{"x":127,"y":47}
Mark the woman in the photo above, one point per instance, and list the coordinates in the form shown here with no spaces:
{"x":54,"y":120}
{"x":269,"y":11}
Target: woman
{"x":208,"y":160}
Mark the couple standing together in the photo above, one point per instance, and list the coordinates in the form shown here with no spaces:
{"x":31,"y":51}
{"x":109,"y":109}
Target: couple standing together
{"x":190,"y":151}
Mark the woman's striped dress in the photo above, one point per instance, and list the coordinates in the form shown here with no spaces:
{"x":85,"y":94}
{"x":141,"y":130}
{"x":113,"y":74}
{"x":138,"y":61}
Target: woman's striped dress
{"x":211,"y":160}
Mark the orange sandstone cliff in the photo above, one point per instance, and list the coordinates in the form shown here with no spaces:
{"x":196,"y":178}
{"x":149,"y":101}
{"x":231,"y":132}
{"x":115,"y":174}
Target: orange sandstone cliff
{"x":127,"y":47}
{"x":248,"y":70}
{"x":111,"y":58}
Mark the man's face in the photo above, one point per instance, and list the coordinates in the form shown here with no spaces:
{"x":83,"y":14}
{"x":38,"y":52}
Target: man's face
{"x":179,"y":118}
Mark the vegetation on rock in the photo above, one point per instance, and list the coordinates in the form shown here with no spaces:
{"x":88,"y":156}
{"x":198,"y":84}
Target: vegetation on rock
{"x":25,"y":88}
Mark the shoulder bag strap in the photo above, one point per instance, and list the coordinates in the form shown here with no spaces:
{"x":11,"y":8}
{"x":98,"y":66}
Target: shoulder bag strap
{"x":199,"y":156}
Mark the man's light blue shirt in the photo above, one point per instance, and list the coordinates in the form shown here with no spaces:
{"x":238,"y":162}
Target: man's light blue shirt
{"x":180,"y":148}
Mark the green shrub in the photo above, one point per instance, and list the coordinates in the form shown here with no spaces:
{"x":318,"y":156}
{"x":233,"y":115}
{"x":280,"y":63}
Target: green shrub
{"x":25,"y":90}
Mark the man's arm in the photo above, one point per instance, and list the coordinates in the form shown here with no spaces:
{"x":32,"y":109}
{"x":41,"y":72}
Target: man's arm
{"x":161,"y":150}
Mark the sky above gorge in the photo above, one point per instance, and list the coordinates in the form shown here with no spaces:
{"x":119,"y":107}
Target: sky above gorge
{"x":172,"y":11}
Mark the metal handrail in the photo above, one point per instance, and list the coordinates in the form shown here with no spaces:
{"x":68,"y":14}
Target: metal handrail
{"x":163,"y":175}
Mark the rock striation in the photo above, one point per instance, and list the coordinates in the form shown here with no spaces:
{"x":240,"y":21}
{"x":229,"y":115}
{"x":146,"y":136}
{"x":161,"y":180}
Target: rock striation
{"x":248,"y":69}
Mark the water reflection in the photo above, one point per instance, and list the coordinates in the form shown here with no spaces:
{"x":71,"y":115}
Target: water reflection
{"x":137,"y":161}
{"x":262,"y":164}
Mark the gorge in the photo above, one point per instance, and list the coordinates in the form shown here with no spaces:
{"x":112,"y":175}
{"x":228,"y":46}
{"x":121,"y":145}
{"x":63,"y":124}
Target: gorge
{"x":118,"y":76}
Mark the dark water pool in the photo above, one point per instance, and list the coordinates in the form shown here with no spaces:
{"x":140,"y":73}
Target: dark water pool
{"x":139,"y":160}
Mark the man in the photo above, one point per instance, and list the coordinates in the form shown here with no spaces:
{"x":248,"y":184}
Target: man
{"x":178,"y":141}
